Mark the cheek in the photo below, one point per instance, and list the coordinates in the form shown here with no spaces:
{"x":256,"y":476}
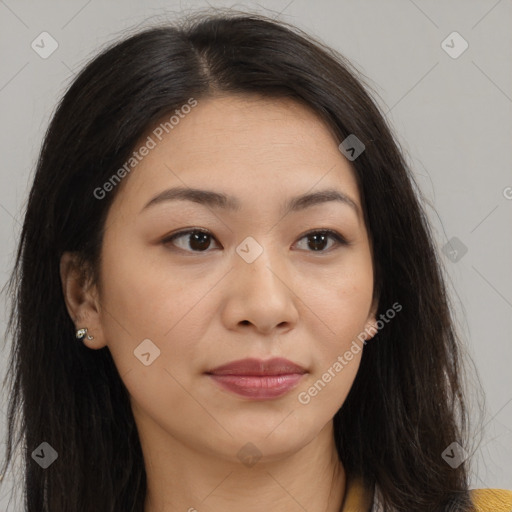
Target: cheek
{"x":338,"y":309}
{"x":145,"y":300}
{"x":140,"y":304}
{"x":325,"y":392}
{"x":343,"y":314}
{"x":339,"y":304}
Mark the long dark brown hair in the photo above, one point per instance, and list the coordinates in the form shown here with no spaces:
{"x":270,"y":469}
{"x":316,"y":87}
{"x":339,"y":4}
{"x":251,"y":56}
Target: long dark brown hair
{"x":406,"y":405}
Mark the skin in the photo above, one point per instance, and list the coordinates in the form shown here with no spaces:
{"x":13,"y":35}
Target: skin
{"x":206,"y":308}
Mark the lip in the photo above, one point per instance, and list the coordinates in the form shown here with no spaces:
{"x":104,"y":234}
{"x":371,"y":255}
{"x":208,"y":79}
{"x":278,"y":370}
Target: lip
{"x":258,"y":379}
{"x":259,"y":367}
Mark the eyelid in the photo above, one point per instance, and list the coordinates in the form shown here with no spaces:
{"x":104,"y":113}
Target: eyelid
{"x":332,"y":232}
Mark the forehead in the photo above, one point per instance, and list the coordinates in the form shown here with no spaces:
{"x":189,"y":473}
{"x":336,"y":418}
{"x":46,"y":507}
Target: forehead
{"x":249,"y":147}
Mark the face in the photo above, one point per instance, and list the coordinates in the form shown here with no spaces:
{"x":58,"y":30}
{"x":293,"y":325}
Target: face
{"x":190,"y":285}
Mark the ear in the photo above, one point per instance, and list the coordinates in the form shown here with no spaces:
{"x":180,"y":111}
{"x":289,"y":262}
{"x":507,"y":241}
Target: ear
{"x":81,"y":299}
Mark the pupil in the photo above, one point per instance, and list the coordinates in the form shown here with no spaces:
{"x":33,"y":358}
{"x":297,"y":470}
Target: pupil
{"x":323,"y":237}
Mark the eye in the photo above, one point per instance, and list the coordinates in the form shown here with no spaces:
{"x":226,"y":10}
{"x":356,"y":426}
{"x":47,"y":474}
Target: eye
{"x":199,"y":240}
{"x":196,"y":239}
{"x":319,"y":239}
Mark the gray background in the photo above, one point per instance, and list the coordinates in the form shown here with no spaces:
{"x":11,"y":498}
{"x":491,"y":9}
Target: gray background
{"x":452,"y":117}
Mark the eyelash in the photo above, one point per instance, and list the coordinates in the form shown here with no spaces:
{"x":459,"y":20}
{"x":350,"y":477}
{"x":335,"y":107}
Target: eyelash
{"x":340,"y":240}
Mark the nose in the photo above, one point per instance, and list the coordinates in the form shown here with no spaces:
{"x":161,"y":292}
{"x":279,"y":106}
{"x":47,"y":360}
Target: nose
{"x":260,"y":294}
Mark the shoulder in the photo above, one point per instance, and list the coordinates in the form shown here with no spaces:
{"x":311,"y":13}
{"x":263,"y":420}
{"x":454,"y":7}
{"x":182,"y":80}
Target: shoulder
{"x":491,"y":500}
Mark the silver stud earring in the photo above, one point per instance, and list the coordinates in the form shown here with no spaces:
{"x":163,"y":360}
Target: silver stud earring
{"x":80,"y":334}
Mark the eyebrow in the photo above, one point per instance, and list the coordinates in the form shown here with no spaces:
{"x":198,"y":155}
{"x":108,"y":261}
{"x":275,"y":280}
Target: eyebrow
{"x":222,"y":201}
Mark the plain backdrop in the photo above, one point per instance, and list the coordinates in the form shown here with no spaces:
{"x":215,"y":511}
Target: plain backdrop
{"x":449,"y":106}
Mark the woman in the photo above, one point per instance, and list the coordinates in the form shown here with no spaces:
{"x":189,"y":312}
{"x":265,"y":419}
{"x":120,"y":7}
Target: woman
{"x":226,"y":293}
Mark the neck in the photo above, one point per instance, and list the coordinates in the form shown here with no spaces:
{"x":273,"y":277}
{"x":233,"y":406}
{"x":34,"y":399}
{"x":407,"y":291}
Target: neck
{"x":180,"y":478}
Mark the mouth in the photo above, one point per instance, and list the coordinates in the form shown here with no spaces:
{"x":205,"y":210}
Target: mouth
{"x":257,"y":379}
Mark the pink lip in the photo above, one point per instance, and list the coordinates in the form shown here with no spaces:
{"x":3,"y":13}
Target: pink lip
{"x":258,"y":379}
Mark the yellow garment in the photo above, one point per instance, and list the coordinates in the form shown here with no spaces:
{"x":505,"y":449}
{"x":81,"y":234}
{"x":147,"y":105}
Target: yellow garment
{"x":492,"y":500}
{"x":359,"y":499}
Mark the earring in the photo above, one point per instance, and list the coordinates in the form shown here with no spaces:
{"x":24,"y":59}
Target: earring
{"x":80,"y":334}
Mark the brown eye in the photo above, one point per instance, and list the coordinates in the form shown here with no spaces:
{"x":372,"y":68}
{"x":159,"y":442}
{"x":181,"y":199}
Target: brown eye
{"x":194,"y":240}
{"x":318,"y":240}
